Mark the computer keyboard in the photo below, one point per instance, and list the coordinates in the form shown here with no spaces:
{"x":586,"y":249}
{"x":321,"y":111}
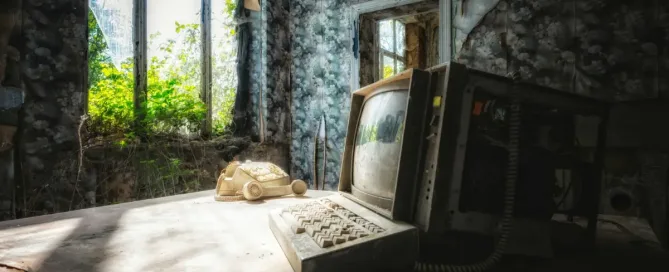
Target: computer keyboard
{"x":328,"y":223}
{"x":313,"y":234}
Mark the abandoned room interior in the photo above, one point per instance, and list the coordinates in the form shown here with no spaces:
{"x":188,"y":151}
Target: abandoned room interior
{"x":334,"y":135}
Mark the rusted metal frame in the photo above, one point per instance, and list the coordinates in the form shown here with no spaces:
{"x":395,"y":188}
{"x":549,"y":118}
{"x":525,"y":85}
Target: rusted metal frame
{"x":140,"y":64}
{"x":206,"y":67}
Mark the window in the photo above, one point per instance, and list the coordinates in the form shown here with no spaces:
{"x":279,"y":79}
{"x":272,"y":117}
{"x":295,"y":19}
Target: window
{"x":174,"y":66}
{"x":391,"y":48}
{"x":224,"y":63}
{"x":190,"y":76}
{"x":110,"y":67}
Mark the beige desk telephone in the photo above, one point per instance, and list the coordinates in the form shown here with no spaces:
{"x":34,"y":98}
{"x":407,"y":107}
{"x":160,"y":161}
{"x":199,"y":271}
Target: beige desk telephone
{"x":255,"y":180}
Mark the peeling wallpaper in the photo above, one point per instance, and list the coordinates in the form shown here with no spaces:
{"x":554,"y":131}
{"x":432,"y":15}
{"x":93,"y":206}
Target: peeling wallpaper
{"x":321,"y":46}
{"x":605,"y":49}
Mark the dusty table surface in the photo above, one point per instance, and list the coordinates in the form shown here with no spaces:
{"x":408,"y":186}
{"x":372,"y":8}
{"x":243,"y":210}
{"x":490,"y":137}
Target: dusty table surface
{"x":189,"y":232}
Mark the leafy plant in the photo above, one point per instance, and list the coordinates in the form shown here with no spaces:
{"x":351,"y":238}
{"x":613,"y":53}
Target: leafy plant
{"x":172,"y":105}
{"x":388,"y":71}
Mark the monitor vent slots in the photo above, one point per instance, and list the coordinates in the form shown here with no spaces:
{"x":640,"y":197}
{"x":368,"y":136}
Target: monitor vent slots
{"x":327,"y":223}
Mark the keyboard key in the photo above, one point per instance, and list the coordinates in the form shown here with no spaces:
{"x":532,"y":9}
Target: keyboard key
{"x":327,"y":223}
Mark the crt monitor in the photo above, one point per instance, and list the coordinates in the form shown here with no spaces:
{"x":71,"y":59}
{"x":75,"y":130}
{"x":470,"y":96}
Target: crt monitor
{"x":382,"y":151}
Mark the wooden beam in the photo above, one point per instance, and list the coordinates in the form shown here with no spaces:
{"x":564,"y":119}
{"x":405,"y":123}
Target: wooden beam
{"x":206,"y":78}
{"x":414,"y":46}
{"x":140,"y":63}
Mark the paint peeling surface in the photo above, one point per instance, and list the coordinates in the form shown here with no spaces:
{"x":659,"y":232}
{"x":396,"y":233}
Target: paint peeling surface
{"x":321,"y":49}
{"x":604,"y":49}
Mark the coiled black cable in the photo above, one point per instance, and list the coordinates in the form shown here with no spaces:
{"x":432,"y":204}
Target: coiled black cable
{"x":509,"y":194}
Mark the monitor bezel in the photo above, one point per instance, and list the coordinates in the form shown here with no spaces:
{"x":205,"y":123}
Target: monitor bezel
{"x":403,"y":203}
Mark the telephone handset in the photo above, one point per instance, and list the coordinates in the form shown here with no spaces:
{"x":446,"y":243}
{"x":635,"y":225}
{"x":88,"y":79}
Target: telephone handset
{"x":254,"y":190}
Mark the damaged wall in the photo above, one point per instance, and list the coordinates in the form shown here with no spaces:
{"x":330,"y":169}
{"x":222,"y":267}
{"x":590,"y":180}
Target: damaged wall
{"x":53,"y":49}
{"x":431,"y":29}
{"x":613,"y":50}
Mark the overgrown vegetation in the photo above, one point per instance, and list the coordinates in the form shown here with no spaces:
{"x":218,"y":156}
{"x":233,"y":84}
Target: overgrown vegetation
{"x":173,"y":105}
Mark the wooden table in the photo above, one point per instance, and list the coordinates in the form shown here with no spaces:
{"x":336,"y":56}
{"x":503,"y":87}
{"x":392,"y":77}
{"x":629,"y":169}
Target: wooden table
{"x":189,"y":232}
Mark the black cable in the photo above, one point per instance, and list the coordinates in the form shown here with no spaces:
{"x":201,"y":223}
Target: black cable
{"x":509,"y":195}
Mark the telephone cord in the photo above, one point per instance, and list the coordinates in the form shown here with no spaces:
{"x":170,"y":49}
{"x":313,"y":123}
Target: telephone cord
{"x":509,"y":196}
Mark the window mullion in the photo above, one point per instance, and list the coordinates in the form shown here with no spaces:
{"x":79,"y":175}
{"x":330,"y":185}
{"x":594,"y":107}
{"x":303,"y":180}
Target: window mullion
{"x":140,"y":63}
{"x":394,"y":46}
{"x":206,"y":77}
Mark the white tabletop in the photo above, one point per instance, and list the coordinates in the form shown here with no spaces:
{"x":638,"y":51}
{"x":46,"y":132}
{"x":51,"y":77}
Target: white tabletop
{"x":190,"y":232}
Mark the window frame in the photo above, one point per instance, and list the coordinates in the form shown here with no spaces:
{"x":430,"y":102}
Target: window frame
{"x":445,"y":33}
{"x":140,"y":61}
{"x":390,"y":54}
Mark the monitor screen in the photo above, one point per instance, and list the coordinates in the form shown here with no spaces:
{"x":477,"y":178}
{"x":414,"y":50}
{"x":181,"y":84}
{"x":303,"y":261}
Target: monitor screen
{"x":378,"y":144}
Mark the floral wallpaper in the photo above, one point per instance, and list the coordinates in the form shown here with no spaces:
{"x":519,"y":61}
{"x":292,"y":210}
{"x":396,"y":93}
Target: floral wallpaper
{"x":256,"y":66}
{"x":615,"y":50}
{"x":321,"y":48}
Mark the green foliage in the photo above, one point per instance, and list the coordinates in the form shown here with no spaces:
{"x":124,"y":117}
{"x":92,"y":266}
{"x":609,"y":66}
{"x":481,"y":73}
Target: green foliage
{"x":172,"y":105}
{"x":388,"y":71}
{"x":367,"y":134}
{"x":110,"y":101}
{"x":96,"y":50}
{"x":230,"y":7}
{"x":222,"y":118}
